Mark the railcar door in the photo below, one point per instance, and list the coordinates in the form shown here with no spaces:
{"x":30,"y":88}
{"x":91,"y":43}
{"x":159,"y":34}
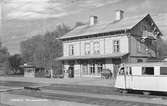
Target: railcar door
{"x":128,"y":78}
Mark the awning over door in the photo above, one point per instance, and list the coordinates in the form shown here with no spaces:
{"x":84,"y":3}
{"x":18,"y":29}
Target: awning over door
{"x":113,"y":55}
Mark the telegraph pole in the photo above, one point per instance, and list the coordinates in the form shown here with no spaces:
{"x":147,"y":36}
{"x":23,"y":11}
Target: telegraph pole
{"x":1,"y":16}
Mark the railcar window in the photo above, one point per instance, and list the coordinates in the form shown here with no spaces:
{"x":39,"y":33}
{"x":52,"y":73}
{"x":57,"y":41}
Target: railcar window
{"x":148,"y":70}
{"x":121,"y":72}
{"x":130,"y":71}
{"x":163,"y":70}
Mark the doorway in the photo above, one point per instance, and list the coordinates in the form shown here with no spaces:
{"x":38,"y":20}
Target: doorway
{"x":71,"y":71}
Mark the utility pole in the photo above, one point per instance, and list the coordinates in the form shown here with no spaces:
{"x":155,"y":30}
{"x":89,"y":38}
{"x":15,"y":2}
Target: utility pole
{"x":1,"y":16}
{"x":1,"y":6}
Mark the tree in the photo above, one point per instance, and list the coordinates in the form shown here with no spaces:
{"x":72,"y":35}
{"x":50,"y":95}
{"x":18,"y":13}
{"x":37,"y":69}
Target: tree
{"x":42,"y":50}
{"x":4,"y":54}
{"x":77,"y":24}
{"x":53,"y":50}
{"x":14,"y":63}
{"x":28,"y":48}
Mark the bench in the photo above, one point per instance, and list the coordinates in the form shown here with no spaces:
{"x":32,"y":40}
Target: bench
{"x":33,"y":88}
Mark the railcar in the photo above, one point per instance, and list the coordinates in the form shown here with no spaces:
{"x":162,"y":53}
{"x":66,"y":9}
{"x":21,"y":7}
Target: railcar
{"x":144,"y":77}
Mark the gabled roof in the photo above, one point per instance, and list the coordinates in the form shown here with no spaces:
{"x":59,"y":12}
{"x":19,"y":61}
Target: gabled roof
{"x":124,"y":24}
{"x":161,"y":21}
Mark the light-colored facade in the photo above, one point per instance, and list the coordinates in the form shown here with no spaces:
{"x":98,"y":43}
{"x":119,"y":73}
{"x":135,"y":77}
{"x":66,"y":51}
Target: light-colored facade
{"x":100,"y":46}
{"x":96,"y":46}
{"x":89,"y":49}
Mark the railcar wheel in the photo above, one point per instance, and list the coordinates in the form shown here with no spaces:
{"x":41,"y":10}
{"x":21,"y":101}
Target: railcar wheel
{"x":124,"y":91}
{"x":120,"y":90}
{"x":146,"y":93}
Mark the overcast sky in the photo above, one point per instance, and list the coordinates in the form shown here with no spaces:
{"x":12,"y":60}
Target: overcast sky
{"x":26,"y":18}
{"x":30,"y":9}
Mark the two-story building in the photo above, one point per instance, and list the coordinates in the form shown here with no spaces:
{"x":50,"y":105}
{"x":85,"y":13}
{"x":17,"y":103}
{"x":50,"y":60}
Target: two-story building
{"x":90,"y":48}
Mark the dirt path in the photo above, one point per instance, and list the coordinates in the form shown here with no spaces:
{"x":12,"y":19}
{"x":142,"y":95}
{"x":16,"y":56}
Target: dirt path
{"x":20,"y":100}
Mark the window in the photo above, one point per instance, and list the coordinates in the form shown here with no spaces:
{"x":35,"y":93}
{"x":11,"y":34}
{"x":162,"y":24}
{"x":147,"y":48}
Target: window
{"x":122,"y":71}
{"x":99,"y":68}
{"x":87,"y":48}
{"x":139,"y":60}
{"x":163,"y":70}
{"x":116,"y":45}
{"x":96,"y":46}
{"x":85,"y":69}
{"x":130,"y":71}
{"x":139,"y":47}
{"x":148,"y":70}
{"x":92,"y":68}
{"x":71,"y":50}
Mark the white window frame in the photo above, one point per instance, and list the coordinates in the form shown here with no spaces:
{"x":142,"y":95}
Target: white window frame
{"x":116,"y":46}
{"x":71,"y":50}
{"x":87,"y":48}
{"x":96,"y":47}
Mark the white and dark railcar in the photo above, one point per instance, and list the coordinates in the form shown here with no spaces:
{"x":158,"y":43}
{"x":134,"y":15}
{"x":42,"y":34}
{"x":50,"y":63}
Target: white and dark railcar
{"x":143,"y":77}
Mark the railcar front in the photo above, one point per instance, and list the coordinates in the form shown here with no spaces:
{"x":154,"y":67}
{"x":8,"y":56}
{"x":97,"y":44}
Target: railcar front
{"x":143,"y":77}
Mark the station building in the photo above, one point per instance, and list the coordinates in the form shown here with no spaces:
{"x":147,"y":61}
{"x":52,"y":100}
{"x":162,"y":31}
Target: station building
{"x":90,"y":48}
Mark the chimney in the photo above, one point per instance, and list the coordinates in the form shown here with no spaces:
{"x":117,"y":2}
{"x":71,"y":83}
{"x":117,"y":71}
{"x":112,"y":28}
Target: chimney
{"x":93,"y":20}
{"x":119,"y":15}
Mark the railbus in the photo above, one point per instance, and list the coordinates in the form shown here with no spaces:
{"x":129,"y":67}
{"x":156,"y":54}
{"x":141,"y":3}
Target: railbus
{"x":145,"y":77}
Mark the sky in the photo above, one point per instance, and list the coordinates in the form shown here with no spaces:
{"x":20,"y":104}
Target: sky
{"x":22,"y":19}
{"x":30,"y":9}
{"x":33,"y":9}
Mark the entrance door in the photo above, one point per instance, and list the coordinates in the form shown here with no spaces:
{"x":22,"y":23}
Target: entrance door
{"x":129,"y":77}
{"x":85,"y":69}
{"x":71,"y":71}
{"x":92,"y":69}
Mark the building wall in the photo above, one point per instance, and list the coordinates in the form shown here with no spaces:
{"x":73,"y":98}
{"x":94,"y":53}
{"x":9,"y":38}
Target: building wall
{"x":136,"y":34}
{"x":145,"y":50}
{"x":29,"y":74}
{"x":106,"y":45}
{"x":76,"y":45}
{"x":77,"y":70}
{"x":129,"y":43}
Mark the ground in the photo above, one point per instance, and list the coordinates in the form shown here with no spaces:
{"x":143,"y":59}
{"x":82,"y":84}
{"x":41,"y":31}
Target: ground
{"x":69,"y":92}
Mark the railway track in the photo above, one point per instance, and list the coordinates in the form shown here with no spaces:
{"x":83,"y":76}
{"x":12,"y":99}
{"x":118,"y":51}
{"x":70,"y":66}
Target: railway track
{"x":104,"y":90}
{"x":87,"y":94}
{"x":85,"y":99}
